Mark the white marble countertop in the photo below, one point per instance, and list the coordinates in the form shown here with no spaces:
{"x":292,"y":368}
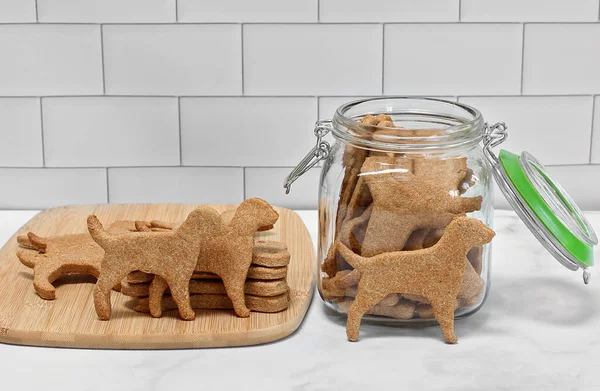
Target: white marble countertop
{"x":539,"y":330}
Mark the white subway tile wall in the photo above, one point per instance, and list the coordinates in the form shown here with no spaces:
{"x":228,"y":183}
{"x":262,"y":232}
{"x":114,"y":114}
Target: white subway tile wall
{"x":257,"y":11}
{"x":529,"y":11}
{"x":172,"y":59}
{"x":20,"y":133}
{"x":214,"y":101}
{"x":452,"y":59}
{"x":389,"y":11}
{"x":106,"y":11}
{"x":38,"y":188}
{"x":110,"y":131}
{"x":218,"y":185}
{"x":240,"y":132}
{"x":50,"y":59}
{"x":312,"y":59}
{"x":561,"y":59}
{"x":14,"y":11}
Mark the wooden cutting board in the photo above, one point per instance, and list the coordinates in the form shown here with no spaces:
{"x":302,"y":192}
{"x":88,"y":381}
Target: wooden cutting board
{"x":70,"y":320}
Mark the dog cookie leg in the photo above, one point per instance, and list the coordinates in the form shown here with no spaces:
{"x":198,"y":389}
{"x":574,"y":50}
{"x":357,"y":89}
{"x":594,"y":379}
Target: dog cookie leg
{"x":41,"y":274}
{"x":235,"y":290}
{"x":365,"y":300}
{"x":104,"y":287}
{"x":444,"y":314}
{"x":460,"y":205}
{"x":42,"y":281}
{"x":181,"y":294}
{"x":157,"y":291}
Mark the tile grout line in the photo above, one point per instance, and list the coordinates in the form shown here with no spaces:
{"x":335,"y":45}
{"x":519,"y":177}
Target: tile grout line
{"x":107,"y":187}
{"x":37,"y":14}
{"x":522,"y":57}
{"x":42,"y":134}
{"x":179,"y":123}
{"x":244,"y":182}
{"x":382,"y":58}
{"x":318,"y":107}
{"x":592,"y":134}
{"x":176,"y":11}
{"x":318,"y":11}
{"x":132,"y":167}
{"x":459,"y":10}
{"x":560,"y":95}
{"x":242,"y":49}
{"x":102,"y":59}
{"x":291,"y":166}
{"x":291,"y":23}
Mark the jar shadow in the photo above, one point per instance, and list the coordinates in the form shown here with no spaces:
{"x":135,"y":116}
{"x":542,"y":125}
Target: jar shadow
{"x":478,"y":324}
{"x":544,"y":300}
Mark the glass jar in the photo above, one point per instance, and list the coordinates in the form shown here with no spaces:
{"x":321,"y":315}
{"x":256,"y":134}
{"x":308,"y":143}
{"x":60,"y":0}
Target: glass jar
{"x":400,"y":170}
{"x":405,"y":208}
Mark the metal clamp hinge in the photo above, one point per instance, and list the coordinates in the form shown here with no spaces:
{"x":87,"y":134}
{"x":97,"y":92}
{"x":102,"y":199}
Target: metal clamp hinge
{"x":319,"y":152}
{"x":495,"y":135}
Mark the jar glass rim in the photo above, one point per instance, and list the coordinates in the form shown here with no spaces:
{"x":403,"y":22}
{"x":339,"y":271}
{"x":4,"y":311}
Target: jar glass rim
{"x":463,"y":124}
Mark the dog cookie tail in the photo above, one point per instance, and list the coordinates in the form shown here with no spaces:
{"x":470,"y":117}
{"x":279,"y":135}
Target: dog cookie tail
{"x":352,"y":258}
{"x":27,"y":258}
{"x":97,"y":231}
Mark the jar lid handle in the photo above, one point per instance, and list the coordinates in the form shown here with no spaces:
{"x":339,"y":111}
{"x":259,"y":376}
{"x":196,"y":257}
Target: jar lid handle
{"x":319,"y":152}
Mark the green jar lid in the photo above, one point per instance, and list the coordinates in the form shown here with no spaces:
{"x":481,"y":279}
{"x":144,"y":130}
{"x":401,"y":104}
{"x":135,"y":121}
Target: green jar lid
{"x":543,"y":205}
{"x":579,"y":247}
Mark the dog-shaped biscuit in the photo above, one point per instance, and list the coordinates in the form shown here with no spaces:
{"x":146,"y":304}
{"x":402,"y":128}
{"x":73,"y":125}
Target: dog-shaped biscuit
{"x":435,"y":273}
{"x":227,"y":254}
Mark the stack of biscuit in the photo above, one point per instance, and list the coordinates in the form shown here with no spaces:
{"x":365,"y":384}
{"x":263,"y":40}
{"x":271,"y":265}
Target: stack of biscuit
{"x":391,"y":202}
{"x":266,"y":288}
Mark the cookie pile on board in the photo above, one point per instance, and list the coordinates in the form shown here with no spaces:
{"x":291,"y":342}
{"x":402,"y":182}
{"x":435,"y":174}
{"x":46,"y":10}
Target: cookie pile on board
{"x":209,"y":261}
{"x":265,"y":288}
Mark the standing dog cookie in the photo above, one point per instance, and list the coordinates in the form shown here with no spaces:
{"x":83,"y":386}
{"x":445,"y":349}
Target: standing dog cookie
{"x":404,"y":202}
{"x":226,"y":253}
{"x":436,"y":273}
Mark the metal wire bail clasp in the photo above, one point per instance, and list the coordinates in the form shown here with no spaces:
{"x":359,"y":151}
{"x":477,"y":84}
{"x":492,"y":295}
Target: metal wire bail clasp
{"x":319,"y":152}
{"x":495,"y":134}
